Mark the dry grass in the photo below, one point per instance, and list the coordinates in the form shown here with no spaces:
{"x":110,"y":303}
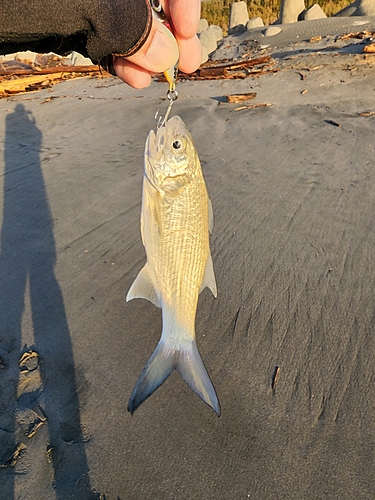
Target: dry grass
{"x":217,"y":11}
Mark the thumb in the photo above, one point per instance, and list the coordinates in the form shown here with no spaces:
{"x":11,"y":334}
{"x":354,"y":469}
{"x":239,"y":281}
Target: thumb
{"x":159,"y":52}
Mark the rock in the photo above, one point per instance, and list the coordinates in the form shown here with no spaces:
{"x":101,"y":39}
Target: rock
{"x":290,"y":10}
{"x":314,"y":12}
{"x":217,"y":31}
{"x":255,"y":22}
{"x":203,"y":25}
{"x":79,"y":60}
{"x":272,"y":31}
{"x":238,"y":14}
{"x":237,"y":30}
{"x":208,"y":40}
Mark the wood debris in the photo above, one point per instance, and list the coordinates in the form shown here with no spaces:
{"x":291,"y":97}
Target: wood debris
{"x":315,"y":39}
{"x":367,"y":113}
{"x":275,"y":378}
{"x":240,"y":97}
{"x":254,"y":106}
{"x":19,"y":81}
{"x":359,"y":34}
{"x":370,"y":48}
{"x":224,"y":69}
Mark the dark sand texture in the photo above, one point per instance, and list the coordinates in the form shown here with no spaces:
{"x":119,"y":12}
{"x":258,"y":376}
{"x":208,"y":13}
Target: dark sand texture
{"x":293,"y":192}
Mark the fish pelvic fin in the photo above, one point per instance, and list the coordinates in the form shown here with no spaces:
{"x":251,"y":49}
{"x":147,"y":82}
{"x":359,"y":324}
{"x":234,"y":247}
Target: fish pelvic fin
{"x":187,"y":361}
{"x":143,"y":288}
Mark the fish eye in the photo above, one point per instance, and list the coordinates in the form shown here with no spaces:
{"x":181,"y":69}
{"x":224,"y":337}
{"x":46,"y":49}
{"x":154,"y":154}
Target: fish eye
{"x":178,"y":146}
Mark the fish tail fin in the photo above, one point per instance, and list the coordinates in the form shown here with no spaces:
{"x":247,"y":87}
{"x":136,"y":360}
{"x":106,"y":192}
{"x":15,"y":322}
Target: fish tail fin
{"x":163,"y":361}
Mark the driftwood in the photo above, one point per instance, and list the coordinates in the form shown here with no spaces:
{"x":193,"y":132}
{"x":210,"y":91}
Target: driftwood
{"x":240,"y":97}
{"x":20,"y":81}
{"x":224,"y":69}
{"x":48,"y":71}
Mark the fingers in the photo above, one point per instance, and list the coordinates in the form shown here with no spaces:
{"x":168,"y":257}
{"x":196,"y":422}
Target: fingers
{"x":133,"y":75}
{"x":190,"y":54}
{"x":160,"y":52}
{"x":185,"y":18}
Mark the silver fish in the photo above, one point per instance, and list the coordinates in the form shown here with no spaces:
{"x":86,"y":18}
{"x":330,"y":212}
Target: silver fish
{"x":176,"y":220}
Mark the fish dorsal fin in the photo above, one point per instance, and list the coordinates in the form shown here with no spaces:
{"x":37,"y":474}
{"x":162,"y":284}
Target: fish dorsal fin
{"x":210,"y":217}
{"x":142,"y":288}
{"x":209,"y":280}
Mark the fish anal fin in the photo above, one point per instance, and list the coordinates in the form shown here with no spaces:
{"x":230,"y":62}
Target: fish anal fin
{"x":210,"y":217}
{"x":143,"y":288}
{"x":209,"y":279}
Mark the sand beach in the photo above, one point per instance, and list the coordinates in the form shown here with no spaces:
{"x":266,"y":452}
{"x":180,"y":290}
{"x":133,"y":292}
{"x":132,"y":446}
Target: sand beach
{"x":289,"y":341}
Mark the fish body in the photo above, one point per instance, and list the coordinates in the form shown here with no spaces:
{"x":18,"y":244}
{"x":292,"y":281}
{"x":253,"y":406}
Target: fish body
{"x":176,"y":220}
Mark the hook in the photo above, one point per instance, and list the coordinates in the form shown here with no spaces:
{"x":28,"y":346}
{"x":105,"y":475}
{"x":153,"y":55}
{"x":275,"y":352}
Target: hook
{"x":172,"y":95}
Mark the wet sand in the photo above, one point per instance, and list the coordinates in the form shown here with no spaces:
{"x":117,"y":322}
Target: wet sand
{"x":288,"y":342}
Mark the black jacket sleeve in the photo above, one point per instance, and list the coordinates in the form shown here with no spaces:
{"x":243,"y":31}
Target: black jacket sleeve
{"x":95,"y":28}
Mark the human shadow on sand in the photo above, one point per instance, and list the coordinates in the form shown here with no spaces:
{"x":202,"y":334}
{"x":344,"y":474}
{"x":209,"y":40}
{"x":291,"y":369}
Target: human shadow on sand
{"x":40,"y":426}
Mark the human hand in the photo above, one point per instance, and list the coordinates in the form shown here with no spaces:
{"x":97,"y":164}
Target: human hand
{"x":160,"y":51}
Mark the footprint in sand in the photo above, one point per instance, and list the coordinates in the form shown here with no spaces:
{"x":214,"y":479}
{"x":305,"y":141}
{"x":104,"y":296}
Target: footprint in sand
{"x":28,"y":414}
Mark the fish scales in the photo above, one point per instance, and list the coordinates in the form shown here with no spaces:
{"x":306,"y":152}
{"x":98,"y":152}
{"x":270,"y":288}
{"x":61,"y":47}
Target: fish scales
{"x":175,"y":224}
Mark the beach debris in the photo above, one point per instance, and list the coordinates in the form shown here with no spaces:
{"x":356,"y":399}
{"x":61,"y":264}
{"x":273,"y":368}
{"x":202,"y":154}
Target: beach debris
{"x":315,"y":39}
{"x":30,"y":420}
{"x":28,"y":71}
{"x":275,"y":378}
{"x":29,"y":361}
{"x":30,"y":383}
{"x":304,"y":91}
{"x":331,"y":122}
{"x":370,"y":48}
{"x":20,"y":81}
{"x":176,"y":220}
{"x":240,"y":97}
{"x":15,"y":454}
{"x":253,"y":106}
{"x":367,"y":113}
{"x":224,"y":69}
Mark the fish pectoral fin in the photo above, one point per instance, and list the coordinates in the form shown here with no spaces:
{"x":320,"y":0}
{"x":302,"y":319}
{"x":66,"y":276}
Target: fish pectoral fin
{"x":143,"y":288}
{"x":163,"y":361}
{"x":209,"y":279}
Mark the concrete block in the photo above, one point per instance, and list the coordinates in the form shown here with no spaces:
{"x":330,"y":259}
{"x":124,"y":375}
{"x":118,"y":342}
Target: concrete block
{"x":255,"y":22}
{"x":203,"y":25}
{"x":314,"y":12}
{"x":238,"y":14}
{"x":208,"y":40}
{"x":290,"y":10}
{"x":216,"y":31}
